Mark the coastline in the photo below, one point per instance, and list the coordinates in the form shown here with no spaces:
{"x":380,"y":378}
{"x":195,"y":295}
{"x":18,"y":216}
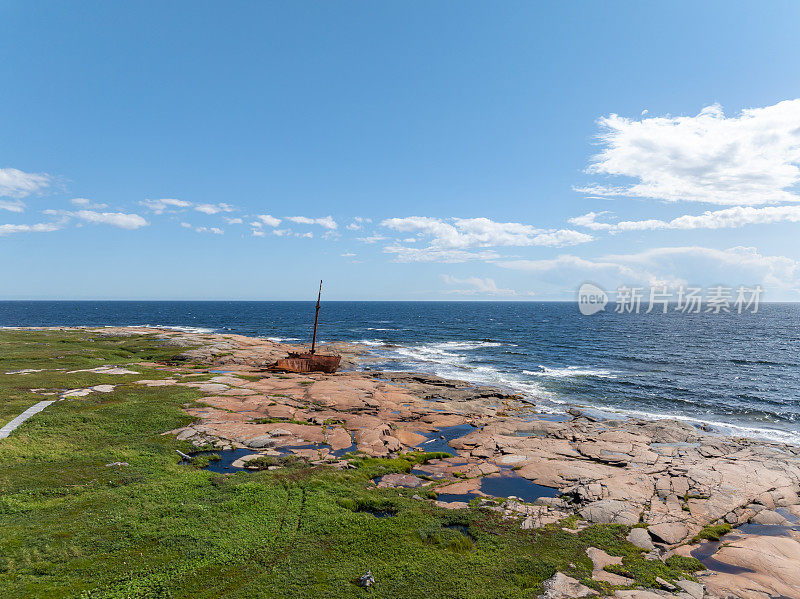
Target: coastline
{"x":666,"y":476}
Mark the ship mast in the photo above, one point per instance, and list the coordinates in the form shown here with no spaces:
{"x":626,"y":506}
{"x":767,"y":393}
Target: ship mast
{"x":316,"y":319}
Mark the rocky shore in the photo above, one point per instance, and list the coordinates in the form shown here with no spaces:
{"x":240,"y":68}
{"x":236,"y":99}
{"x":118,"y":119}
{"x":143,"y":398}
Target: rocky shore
{"x":671,"y":481}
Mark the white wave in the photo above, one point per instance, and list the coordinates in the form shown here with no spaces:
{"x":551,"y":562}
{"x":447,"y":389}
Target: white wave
{"x":371,"y":342}
{"x":570,"y":371}
{"x":444,"y":359}
{"x":183,"y":329}
{"x":282,"y":339}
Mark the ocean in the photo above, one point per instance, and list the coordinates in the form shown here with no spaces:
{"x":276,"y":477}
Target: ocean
{"x":737,"y":374}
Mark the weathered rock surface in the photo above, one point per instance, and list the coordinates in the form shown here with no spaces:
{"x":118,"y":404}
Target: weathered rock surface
{"x":562,"y":586}
{"x":666,"y":474}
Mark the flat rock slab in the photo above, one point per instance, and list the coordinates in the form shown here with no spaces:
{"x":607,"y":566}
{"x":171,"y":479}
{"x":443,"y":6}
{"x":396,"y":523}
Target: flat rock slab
{"x":106,"y":370}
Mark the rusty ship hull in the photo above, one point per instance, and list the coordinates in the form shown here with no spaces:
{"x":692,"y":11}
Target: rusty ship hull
{"x":295,"y":362}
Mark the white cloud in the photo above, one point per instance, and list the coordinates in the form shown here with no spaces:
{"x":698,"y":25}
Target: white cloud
{"x":749,"y":159}
{"x":449,"y":240}
{"x":358,"y":223}
{"x":372,"y":238}
{"x":12,"y":205}
{"x":85,"y":203}
{"x":589,"y":221}
{"x":325,"y":221}
{"x":15,"y":183}
{"x":214,"y":230}
{"x":213,"y":208}
{"x":446,"y":256}
{"x":267,"y":219}
{"x":672,"y":266}
{"x":465,"y":233}
{"x":35,"y":228}
{"x":348,"y":255}
{"x":232,"y":221}
{"x":737,"y":216}
{"x":186,"y":225}
{"x":475,"y":286}
{"x":257,"y":233}
{"x":161,"y":206}
{"x":115,"y":219}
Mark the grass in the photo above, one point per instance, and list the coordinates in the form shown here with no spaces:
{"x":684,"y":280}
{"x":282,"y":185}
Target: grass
{"x":72,"y":527}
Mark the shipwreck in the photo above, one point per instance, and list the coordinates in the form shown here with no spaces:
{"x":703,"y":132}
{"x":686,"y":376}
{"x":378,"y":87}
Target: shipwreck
{"x":311,"y":361}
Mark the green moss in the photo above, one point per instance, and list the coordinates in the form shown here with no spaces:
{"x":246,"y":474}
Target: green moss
{"x":711,"y":532}
{"x":287,"y":461}
{"x":685,"y":564}
{"x":375,"y":467}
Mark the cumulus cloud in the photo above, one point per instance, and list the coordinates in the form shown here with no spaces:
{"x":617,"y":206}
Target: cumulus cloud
{"x":232,"y":221}
{"x":213,"y":208}
{"x":326,"y":221}
{"x":358,"y":223}
{"x":15,"y":183}
{"x":749,"y":159}
{"x":35,"y":228}
{"x":475,"y":286}
{"x":161,"y":206}
{"x":86,"y":203}
{"x":115,"y":219}
{"x":671,"y":266}
{"x":267,"y":219}
{"x":431,"y":254}
{"x":372,"y":238}
{"x":738,"y":216}
{"x":462,"y":233}
{"x":451,"y":240}
{"x":214,"y":230}
{"x":589,"y":220}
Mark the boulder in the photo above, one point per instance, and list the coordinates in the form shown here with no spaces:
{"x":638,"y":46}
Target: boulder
{"x":641,"y":538}
{"x":669,"y":532}
{"x":695,"y":589}
{"x":768,"y":517}
{"x":611,"y":511}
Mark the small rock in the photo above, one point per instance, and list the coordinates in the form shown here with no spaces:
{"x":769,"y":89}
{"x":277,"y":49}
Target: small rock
{"x":561,"y":586}
{"x":367,"y":580}
{"x":695,"y":589}
{"x":665,"y":585}
{"x":280,"y":432}
{"x":118,"y":464}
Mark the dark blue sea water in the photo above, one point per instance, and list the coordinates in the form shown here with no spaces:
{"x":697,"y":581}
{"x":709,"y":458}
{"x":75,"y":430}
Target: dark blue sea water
{"x":738,"y":373}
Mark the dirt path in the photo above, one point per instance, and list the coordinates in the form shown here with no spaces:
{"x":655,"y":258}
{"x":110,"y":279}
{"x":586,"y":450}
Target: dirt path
{"x":35,"y":409}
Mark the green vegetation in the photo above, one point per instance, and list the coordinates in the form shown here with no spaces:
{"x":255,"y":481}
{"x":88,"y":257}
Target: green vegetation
{"x":375,"y":467}
{"x":712,"y":532}
{"x":71,"y":526}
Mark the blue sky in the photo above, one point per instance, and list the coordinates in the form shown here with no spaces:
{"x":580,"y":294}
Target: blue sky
{"x":399,"y":150}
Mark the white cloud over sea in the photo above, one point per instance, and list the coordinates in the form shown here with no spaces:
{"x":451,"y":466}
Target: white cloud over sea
{"x":453,"y":240}
{"x":752,"y":158}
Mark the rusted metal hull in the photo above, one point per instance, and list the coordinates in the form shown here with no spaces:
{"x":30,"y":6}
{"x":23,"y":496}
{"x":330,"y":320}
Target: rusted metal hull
{"x":307,"y":363}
